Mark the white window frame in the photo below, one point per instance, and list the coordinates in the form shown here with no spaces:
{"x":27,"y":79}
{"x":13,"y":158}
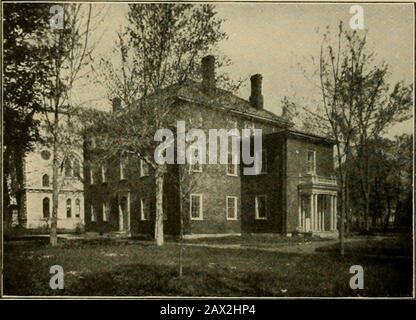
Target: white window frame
{"x":105,"y":206}
{"x":103,"y":173}
{"x":264,"y":163}
{"x":142,"y":163}
{"x":91,"y":176}
{"x":142,"y":212}
{"x":257,"y":207}
{"x":235,"y":166}
{"x":122,"y":169}
{"x":192,"y":166}
{"x":201,"y":212}
{"x":235,"y":207}
{"x":314,"y":161}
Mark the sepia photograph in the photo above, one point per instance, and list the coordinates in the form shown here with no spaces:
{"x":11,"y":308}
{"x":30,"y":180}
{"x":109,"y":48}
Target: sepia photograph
{"x":192,"y":150}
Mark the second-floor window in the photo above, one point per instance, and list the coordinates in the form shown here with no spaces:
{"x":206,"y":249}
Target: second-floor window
{"x":311,"y":159}
{"x":232,"y":168}
{"x":195,"y":166}
{"x":68,"y":208}
{"x":45,"y":180}
{"x":144,"y":168}
{"x":261,"y":207}
{"x":123,"y":164}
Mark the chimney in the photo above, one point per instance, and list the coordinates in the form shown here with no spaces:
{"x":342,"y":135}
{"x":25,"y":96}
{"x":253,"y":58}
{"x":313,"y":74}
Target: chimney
{"x":256,"y":98}
{"x":116,"y":104}
{"x":208,"y":74}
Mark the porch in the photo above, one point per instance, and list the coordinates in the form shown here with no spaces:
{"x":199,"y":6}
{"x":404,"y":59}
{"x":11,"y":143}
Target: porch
{"x":317,"y":204}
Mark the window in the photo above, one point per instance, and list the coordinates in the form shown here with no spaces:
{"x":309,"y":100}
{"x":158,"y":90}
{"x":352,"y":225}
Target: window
{"x":45,"y":180}
{"x":77,"y":208}
{"x":231,"y":208}
{"x":196,"y":207}
{"x":144,"y":169}
{"x":103,"y":173}
{"x":165,"y":207}
{"x":123,"y":162}
{"x":232,"y":168}
{"x":261,"y":207}
{"x":311,"y":161}
{"x":68,"y":208}
{"x":195,"y":167}
{"x":91,"y":176}
{"x":93,"y":216}
{"x":264,"y":161}
{"x":144,"y":210}
{"x":77,"y":168}
{"x":106,"y":211}
{"x":45,"y":154}
{"x":45,"y":207}
{"x":68,"y":168}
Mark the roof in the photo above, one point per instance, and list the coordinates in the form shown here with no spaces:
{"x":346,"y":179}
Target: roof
{"x":191,"y":91}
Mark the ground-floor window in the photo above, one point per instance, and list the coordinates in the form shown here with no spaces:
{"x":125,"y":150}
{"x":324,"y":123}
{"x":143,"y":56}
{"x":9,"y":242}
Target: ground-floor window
{"x":144,"y":209}
{"x":77,"y":208}
{"x":68,"y":208}
{"x":196,"y":206}
{"x":106,"y":211}
{"x":261,"y":207}
{"x":231,"y":208}
{"x":93,"y":216}
{"x":46,"y":207}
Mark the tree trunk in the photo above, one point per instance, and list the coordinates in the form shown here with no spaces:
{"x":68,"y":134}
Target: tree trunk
{"x":55,"y":195}
{"x":53,"y":239}
{"x":341,"y":223}
{"x":6,"y":192}
{"x":159,"y":238}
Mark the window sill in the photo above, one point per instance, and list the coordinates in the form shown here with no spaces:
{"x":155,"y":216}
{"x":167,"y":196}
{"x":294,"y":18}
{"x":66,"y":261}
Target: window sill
{"x":197,"y":219}
{"x":232,"y":175}
{"x":232,"y":219}
{"x":257,"y":218}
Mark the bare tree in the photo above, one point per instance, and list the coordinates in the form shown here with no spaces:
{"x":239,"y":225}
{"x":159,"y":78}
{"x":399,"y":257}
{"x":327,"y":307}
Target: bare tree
{"x":70,"y":51}
{"x":161,"y":48}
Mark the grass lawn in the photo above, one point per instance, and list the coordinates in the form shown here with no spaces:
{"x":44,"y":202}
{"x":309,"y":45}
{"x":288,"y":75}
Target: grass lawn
{"x":137,"y":268}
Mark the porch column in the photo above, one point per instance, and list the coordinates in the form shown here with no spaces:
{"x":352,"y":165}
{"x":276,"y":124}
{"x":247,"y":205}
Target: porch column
{"x":315,"y":211}
{"x":300,"y":210}
{"x":120,"y":215}
{"x":311,"y":211}
{"x":335,"y":212}
{"x":331,"y":204}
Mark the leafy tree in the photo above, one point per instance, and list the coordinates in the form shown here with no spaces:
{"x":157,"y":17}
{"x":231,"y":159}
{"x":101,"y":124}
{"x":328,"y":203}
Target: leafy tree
{"x":25,"y":72}
{"x":357,"y":105}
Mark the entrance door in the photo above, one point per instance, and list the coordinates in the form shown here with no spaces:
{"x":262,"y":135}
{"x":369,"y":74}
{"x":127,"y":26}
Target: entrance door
{"x":305,"y":210}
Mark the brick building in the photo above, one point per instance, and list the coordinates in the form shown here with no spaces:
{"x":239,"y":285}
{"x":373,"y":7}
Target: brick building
{"x":295,"y":191}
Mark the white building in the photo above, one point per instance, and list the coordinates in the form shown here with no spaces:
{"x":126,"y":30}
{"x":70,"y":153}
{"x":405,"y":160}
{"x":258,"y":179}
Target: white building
{"x":36,"y":195}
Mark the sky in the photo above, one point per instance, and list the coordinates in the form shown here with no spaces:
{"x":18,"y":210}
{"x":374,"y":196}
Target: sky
{"x":277,"y":41}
